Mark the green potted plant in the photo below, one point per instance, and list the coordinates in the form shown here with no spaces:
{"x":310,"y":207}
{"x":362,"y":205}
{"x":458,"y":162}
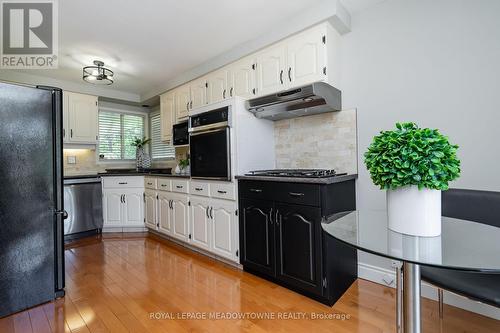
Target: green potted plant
{"x":414,"y":165}
{"x":183,"y":166}
{"x":142,"y":158}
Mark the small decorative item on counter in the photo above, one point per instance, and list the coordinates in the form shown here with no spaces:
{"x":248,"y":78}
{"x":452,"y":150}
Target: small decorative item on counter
{"x":414,"y":165}
{"x":183,"y":167}
{"x":143,"y":160}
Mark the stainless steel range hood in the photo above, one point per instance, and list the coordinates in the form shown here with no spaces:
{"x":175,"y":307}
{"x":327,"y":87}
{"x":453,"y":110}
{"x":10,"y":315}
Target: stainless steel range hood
{"x":318,"y":97}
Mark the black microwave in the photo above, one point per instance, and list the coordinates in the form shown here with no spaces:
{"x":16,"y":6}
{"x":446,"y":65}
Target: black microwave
{"x":180,"y":134}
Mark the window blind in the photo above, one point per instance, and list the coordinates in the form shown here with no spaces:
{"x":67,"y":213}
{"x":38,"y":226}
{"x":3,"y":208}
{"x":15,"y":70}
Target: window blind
{"x":159,"y":149}
{"x":116,"y":133}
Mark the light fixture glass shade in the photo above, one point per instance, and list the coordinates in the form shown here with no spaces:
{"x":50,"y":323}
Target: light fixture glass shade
{"x":98,"y":74}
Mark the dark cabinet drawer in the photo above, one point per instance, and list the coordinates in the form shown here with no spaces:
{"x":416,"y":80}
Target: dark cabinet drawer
{"x":294,"y":193}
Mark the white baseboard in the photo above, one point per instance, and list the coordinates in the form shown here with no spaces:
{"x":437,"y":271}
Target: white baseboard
{"x":124,"y":229}
{"x":388,"y":278}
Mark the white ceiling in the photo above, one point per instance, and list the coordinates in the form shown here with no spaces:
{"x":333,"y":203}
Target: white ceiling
{"x":148,"y":42}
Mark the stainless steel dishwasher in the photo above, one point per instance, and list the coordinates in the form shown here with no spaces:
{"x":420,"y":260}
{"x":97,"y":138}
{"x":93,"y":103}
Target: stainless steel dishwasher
{"x":83,"y":202}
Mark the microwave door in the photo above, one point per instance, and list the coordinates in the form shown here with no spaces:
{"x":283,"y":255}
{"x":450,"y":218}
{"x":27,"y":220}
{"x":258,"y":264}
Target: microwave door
{"x":210,"y":155}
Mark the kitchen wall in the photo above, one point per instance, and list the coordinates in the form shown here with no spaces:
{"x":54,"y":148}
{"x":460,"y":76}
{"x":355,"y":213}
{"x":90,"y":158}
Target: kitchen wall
{"x":325,"y":140}
{"x":432,"y":62}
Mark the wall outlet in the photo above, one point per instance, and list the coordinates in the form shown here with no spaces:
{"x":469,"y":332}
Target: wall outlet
{"x":71,"y":159}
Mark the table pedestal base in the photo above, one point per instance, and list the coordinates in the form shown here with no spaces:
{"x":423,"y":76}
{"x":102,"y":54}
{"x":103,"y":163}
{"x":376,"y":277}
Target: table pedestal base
{"x":408,"y":316}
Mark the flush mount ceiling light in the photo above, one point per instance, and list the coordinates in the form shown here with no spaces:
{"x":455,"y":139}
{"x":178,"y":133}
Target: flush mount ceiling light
{"x":98,"y":74}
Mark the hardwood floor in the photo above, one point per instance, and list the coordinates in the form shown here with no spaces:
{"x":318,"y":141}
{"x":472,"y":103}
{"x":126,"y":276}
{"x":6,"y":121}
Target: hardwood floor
{"x":136,"y":283}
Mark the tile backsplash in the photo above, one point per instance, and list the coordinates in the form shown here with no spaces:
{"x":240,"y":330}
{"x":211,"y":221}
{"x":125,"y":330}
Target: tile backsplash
{"x":327,"y":140}
{"x":87,"y":162}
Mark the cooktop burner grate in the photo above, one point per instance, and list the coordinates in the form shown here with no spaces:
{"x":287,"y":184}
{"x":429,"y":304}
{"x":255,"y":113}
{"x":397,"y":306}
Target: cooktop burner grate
{"x":298,"y":173}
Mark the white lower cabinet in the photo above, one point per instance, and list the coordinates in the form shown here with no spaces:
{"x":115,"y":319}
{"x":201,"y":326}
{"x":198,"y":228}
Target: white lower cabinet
{"x":180,"y":214}
{"x":200,"y":222}
{"x":123,"y":208}
{"x":164,"y":213}
{"x":224,"y":231}
{"x":150,"y":209}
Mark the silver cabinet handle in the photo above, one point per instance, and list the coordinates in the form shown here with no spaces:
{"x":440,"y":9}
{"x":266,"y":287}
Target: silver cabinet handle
{"x":187,"y":106}
{"x":281,"y":76}
{"x":198,"y":189}
{"x":290,"y":73}
{"x":221,"y":192}
{"x":271,"y":216}
{"x":191,"y":104}
{"x":150,"y":183}
{"x":179,"y":186}
{"x":211,"y":211}
{"x":206,"y":212}
{"x":224,"y":94}
{"x":122,"y":183}
{"x":256,"y":190}
{"x":231,"y":92}
{"x":295,"y":194}
{"x":163,"y":185}
{"x":71,"y":133}
{"x":124,"y":197}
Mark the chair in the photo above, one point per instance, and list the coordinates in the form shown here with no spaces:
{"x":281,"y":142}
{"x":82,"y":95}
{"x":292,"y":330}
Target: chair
{"x":481,"y":207}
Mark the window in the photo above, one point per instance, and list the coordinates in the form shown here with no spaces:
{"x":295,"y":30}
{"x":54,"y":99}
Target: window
{"x":159,"y":149}
{"x":116,"y":133}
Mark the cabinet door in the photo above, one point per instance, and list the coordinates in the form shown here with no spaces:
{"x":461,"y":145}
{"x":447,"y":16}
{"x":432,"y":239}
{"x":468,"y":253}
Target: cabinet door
{"x":179,"y":216}
{"x":164,"y":213}
{"x":306,"y":58}
{"x":112,"y":208}
{"x":200,"y":223}
{"x":242,"y":78}
{"x":217,"y":86}
{"x":66,"y":131}
{"x":167,"y":114}
{"x":150,"y":209}
{"x":224,"y":229}
{"x":257,"y":235}
{"x":298,"y":246}
{"x":82,"y":116}
{"x":198,"y":93}
{"x":133,"y":207}
{"x":271,"y":70}
{"x":182,"y":98}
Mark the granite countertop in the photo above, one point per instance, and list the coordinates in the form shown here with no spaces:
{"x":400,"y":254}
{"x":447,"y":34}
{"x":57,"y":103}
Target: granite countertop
{"x":95,"y":175}
{"x":325,"y":180}
{"x":141,"y":173}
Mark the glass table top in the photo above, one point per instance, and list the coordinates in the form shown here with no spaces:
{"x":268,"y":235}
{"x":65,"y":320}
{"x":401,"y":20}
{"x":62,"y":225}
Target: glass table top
{"x":463,"y":244}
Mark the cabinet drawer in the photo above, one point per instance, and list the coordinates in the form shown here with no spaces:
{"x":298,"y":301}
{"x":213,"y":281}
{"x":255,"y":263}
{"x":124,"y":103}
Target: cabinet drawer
{"x":302,"y":194}
{"x":222,"y":191}
{"x":150,"y":183}
{"x":199,"y":188}
{"x":122,"y":182}
{"x":180,"y":186}
{"x":164,"y":184}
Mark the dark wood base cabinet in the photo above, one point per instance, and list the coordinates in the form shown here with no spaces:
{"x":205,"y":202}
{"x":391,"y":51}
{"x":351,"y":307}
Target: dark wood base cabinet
{"x":281,"y":238}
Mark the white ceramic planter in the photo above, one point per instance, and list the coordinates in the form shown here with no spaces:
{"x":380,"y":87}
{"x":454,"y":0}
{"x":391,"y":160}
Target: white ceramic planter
{"x":414,"y":212}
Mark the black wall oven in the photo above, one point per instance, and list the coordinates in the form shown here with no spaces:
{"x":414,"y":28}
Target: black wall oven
{"x":209,"y":145}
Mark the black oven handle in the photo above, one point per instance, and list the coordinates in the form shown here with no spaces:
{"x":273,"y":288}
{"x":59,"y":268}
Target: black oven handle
{"x":215,"y":130}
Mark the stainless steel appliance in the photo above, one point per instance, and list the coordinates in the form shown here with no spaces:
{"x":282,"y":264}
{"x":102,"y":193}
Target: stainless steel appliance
{"x":318,"y":97}
{"x":83,"y":202}
{"x":209,"y":145}
{"x":296,"y":173}
{"x":31,"y":209}
{"x":180,"y":134}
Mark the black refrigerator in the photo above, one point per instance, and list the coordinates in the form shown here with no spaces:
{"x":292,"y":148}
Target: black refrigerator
{"x":31,"y":197}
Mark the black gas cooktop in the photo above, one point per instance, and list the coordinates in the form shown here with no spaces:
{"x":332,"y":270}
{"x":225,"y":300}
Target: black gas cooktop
{"x":296,"y":173}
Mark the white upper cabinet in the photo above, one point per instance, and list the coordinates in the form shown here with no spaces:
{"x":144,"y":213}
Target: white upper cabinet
{"x":271,"y":64}
{"x":306,"y":57}
{"x":81,"y":113}
{"x":198,"y":93}
{"x":217,"y":86}
{"x":182,"y":101}
{"x":241,"y":78}
{"x":167,"y":115}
